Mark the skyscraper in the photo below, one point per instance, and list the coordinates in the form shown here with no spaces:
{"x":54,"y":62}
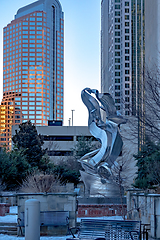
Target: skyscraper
{"x":116,"y":68}
{"x":33,"y":61}
{"x":130,"y":45}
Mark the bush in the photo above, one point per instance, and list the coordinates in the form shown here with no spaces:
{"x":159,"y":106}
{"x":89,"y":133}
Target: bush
{"x":40,"y":182}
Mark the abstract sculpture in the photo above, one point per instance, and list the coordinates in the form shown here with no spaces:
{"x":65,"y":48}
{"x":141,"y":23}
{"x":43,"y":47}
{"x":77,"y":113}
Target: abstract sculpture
{"x":98,"y":164}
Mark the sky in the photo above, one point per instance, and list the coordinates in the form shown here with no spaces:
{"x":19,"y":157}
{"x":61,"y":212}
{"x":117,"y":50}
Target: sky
{"x":81,"y":51}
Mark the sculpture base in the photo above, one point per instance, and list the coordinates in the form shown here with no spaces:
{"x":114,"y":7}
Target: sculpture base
{"x":95,"y":186}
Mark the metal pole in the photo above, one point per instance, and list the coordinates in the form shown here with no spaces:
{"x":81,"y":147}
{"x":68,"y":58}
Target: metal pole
{"x":69,"y":121}
{"x":72,"y":116}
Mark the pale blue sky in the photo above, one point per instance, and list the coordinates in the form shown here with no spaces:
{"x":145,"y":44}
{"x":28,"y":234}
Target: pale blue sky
{"x":81,"y":55}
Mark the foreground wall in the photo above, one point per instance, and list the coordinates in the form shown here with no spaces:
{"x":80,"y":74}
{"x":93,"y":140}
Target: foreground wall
{"x":145,"y":207}
{"x":52,"y":202}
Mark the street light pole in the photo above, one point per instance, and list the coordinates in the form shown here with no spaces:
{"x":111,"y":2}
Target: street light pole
{"x":69,"y":121}
{"x":72,"y":116}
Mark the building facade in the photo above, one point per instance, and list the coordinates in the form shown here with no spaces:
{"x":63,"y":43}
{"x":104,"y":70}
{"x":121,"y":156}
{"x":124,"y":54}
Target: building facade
{"x":61,"y":140}
{"x":10,"y":114}
{"x":33,"y":55}
{"x":123,"y":65}
{"x":116,"y":67}
{"x":138,"y":66}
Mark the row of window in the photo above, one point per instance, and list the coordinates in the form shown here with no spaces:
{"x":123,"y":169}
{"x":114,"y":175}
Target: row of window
{"x":39,"y":14}
{"x":37,"y":121}
{"x":118,"y":87}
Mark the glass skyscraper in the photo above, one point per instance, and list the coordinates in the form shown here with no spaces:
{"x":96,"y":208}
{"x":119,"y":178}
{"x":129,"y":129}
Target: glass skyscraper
{"x":33,"y":61}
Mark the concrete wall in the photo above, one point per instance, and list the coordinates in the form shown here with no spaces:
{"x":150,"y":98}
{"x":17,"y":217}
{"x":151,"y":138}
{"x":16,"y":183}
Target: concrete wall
{"x":146,"y":208}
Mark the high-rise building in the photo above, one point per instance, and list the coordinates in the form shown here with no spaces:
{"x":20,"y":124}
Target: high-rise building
{"x":116,"y":41}
{"x":129,"y":45}
{"x":33,"y":55}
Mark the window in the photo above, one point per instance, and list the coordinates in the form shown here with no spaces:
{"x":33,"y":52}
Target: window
{"x":24,"y":94}
{"x":126,"y":71}
{"x":117,"y":26}
{"x":127,"y":106}
{"x":117,"y":80}
{"x":126,"y":51}
{"x":117,"y":33}
{"x":117,"y":60}
{"x":126,"y":30}
{"x":117,"y":46}
{"x":117,"y":73}
{"x":39,"y":14}
{"x":117,"y":40}
{"x":127,"y":44}
{"x":117,"y":13}
{"x":126,"y":92}
{"x":117,"y":87}
{"x":127,"y":24}
{"x":117,"y":94}
{"x":117,"y":53}
{"x":117,"y":100}
{"x":32,"y":19}
{"x":126,"y":85}
{"x":126,"y":78}
{"x":117,"y":66}
{"x":117,"y":6}
{"x":126,"y":37}
{"x":127,"y":17}
{"x":127,"y":58}
{"x":126,"y":10}
{"x":117,"y":20}
{"x":127,"y":65}
{"x":126,"y":99}
{"x":126,"y":3}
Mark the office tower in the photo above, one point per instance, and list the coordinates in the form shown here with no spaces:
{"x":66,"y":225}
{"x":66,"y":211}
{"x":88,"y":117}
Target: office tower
{"x":116,"y":68}
{"x":139,"y":23}
{"x":33,"y":61}
{"x":10,"y":114}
